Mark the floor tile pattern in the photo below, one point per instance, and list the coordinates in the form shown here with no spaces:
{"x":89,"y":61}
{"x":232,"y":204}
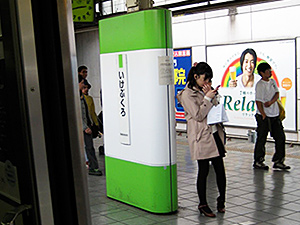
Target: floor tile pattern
{"x":253,"y":196}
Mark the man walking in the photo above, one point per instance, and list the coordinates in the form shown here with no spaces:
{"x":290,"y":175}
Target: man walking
{"x":267,"y":118}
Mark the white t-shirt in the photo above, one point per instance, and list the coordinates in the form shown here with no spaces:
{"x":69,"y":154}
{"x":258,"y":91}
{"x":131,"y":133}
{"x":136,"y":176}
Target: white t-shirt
{"x":264,"y":92}
{"x":240,"y":84}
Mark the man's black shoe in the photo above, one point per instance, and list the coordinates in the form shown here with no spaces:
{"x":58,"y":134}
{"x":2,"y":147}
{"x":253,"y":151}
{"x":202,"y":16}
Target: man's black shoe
{"x":95,"y":172}
{"x":260,"y":165}
{"x":281,"y":166}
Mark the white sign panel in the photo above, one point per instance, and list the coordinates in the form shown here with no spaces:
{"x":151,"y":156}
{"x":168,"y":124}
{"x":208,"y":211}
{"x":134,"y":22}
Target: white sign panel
{"x":165,"y":70}
{"x":123,"y":100}
{"x":239,"y":101}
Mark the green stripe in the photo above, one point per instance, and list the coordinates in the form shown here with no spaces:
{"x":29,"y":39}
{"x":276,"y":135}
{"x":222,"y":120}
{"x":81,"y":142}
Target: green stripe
{"x":147,"y":29}
{"x":146,"y":187}
{"x":120,"y":61}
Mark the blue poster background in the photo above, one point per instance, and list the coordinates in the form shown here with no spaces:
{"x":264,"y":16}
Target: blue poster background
{"x":182,"y":66}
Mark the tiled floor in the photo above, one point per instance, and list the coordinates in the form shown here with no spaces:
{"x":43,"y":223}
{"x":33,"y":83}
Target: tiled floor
{"x":253,"y":196}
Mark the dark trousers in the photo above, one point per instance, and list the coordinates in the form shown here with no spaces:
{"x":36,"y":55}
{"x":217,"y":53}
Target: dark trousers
{"x":203,"y":169}
{"x":90,"y":151}
{"x":274,"y":125}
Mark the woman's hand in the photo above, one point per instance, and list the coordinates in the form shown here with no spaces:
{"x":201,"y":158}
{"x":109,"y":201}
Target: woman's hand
{"x":206,"y":88}
{"x":211,"y":93}
{"x":208,"y":91}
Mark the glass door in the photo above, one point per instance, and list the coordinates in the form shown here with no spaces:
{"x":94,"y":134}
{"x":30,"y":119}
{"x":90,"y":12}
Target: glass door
{"x":20,"y":187}
{"x":42,"y":169}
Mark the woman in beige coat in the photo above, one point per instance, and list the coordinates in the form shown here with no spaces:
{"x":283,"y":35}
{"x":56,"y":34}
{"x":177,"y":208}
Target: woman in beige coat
{"x":206,"y":142}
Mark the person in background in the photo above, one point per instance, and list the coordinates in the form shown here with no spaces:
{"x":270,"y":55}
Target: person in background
{"x":83,"y":71}
{"x":87,"y":133}
{"x":91,"y":106}
{"x":267,"y":118}
{"x":90,"y":103}
{"x":206,"y":142}
{"x":247,"y":79}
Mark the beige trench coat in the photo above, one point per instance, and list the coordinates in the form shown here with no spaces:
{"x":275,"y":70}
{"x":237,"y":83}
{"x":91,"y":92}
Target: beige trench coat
{"x":200,"y":137}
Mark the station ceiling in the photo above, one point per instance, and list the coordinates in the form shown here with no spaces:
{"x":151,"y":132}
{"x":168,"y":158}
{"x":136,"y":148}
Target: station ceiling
{"x":180,"y":7}
{"x":196,"y":6}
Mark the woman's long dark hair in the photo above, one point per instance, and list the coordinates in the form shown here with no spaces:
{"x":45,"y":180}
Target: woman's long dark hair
{"x":202,"y":68}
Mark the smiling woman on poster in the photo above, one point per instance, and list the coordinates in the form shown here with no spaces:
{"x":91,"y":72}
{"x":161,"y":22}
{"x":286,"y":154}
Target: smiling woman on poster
{"x":247,"y":79}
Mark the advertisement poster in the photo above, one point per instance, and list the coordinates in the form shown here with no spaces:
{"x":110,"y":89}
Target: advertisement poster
{"x":238,"y":100}
{"x":182,"y":66}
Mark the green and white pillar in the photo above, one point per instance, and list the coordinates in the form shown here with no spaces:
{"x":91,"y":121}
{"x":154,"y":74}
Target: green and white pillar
{"x":138,"y":109}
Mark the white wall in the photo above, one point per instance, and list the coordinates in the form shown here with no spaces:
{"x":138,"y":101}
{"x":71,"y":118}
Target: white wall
{"x":264,"y":21}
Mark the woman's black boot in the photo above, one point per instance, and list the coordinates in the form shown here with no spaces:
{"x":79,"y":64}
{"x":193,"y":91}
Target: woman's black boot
{"x":204,"y":209}
{"x":220,"y":206}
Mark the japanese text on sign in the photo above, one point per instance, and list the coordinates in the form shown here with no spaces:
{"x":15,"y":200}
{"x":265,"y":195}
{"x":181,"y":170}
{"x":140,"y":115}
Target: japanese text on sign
{"x":179,"y":76}
{"x":122,"y":93}
{"x":182,"y":65}
{"x":123,"y":99}
{"x":182,"y":53}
